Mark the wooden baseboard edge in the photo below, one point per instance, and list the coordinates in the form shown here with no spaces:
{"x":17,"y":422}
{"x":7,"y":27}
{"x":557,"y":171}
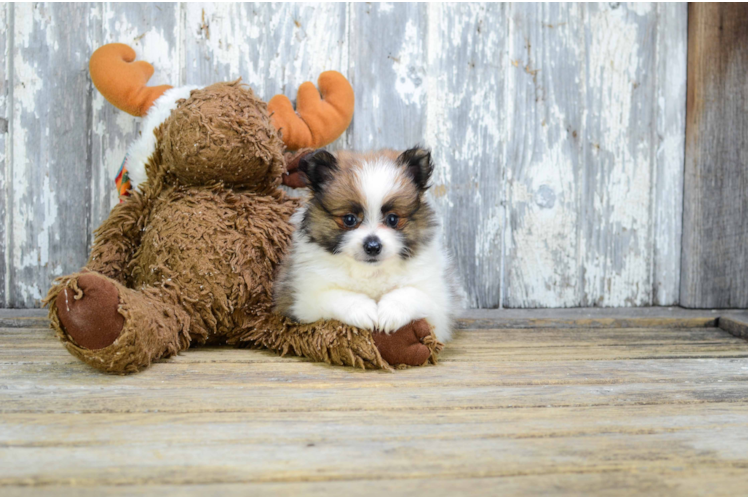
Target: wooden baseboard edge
{"x":733,"y":321}
{"x":735,"y":324}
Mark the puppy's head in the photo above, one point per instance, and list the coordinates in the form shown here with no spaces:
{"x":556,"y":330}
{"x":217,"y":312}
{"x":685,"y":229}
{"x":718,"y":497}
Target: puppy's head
{"x":369,"y":207}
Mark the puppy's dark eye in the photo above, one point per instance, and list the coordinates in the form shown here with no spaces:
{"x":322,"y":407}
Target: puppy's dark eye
{"x":350,"y":220}
{"x":392,"y":220}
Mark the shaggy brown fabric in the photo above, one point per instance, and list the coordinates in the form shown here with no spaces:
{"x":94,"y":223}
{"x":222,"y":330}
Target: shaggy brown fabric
{"x":193,"y":256}
{"x":222,"y":132}
{"x":152,"y":330}
{"x":89,"y":312}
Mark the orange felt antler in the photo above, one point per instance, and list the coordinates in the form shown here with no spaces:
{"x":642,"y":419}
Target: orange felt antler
{"x":122,"y":81}
{"x":316,"y":121}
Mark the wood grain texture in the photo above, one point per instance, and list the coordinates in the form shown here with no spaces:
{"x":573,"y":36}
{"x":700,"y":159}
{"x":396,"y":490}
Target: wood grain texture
{"x":715,"y":219}
{"x":387,"y":68}
{"x":465,"y":124}
{"x":670,"y":149}
{"x":557,"y":130}
{"x":656,"y":480}
{"x":594,"y":411}
{"x":593,"y":182}
{"x":735,"y":324}
{"x":544,"y":182}
{"x":616,"y":229}
{"x":6,"y":66}
{"x":479,"y":369}
{"x":472,"y":319}
{"x":50,"y":212}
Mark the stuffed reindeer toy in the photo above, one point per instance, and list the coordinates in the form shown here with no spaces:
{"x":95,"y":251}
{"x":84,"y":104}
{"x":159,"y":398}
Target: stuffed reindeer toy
{"x":190,"y":255}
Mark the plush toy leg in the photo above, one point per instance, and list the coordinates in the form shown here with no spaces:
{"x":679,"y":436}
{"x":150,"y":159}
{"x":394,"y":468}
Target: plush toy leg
{"x":112,"y":327}
{"x":333,"y":342}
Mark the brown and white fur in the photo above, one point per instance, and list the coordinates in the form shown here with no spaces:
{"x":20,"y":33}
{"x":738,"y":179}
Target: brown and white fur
{"x":366,"y":250}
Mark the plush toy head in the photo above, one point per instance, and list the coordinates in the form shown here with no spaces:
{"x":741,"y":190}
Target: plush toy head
{"x":220,"y":133}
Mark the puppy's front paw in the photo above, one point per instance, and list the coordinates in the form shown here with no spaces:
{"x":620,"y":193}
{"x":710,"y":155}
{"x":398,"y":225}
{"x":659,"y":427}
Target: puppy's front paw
{"x":391,"y":315}
{"x":362,"y":315}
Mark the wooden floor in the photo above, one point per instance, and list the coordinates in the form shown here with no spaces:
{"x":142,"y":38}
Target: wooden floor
{"x":513,"y":411}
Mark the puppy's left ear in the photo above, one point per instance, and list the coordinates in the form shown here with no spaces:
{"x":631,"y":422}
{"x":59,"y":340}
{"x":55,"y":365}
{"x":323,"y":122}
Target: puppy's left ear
{"x":417,"y":162}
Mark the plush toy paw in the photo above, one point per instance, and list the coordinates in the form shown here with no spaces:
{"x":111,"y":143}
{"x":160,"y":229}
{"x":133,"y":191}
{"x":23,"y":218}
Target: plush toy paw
{"x":404,"y":347}
{"x":88,"y":312}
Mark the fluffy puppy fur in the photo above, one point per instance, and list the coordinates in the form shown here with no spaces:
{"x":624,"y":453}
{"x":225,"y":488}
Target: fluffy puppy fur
{"x":366,"y":250}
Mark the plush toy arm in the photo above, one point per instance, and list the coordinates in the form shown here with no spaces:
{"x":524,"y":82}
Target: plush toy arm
{"x":118,"y":237}
{"x":317,"y":120}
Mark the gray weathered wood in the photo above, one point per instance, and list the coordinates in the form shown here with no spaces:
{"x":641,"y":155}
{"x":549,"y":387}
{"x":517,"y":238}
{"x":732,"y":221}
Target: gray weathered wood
{"x":543,"y":411}
{"x":544,"y":150}
{"x":273,"y":47}
{"x":590,"y":317}
{"x":616,"y":227}
{"x":49,"y":164}
{"x":388,"y":64}
{"x":465,"y":125}
{"x":471,"y":319}
{"x":704,"y":481}
{"x":735,"y":323}
{"x":670,"y":148}
{"x":590,"y":220}
{"x":714,"y":267}
{"x":6,"y":66}
{"x":557,"y":130}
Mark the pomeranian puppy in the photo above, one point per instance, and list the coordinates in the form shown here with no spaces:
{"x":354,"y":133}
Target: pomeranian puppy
{"x":367,"y":250}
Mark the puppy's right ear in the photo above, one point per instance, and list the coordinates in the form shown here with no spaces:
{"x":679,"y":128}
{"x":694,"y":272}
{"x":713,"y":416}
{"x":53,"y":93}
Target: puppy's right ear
{"x":418,"y":164}
{"x":318,"y":168}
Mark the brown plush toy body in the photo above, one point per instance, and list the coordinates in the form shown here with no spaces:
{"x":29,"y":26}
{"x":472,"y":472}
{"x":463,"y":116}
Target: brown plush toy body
{"x":190,"y":257}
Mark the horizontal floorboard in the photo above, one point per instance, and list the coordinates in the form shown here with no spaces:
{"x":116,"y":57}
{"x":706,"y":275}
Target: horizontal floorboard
{"x":340,"y":460}
{"x":101,"y":430}
{"x":30,"y":397}
{"x":693,"y":480}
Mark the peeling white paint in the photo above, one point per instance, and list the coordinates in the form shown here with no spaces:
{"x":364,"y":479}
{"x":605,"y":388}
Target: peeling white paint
{"x":409,"y":67}
{"x":538,"y":216}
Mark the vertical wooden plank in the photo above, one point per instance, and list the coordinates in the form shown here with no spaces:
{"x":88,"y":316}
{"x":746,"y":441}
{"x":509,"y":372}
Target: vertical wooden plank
{"x":714,"y":266}
{"x":582,"y":156}
{"x":153,"y":31}
{"x":50,"y":163}
{"x":671,"y":50}
{"x":388,"y":73}
{"x":5,"y":86}
{"x":617,"y":184}
{"x":545,"y":154}
{"x":465,"y":126}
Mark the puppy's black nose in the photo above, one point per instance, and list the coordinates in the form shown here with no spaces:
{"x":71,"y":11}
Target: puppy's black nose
{"x":372,"y":245}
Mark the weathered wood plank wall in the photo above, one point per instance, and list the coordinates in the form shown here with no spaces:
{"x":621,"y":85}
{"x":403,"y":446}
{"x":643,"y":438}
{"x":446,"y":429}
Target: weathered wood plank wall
{"x":715,"y":238}
{"x":558,"y":130}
